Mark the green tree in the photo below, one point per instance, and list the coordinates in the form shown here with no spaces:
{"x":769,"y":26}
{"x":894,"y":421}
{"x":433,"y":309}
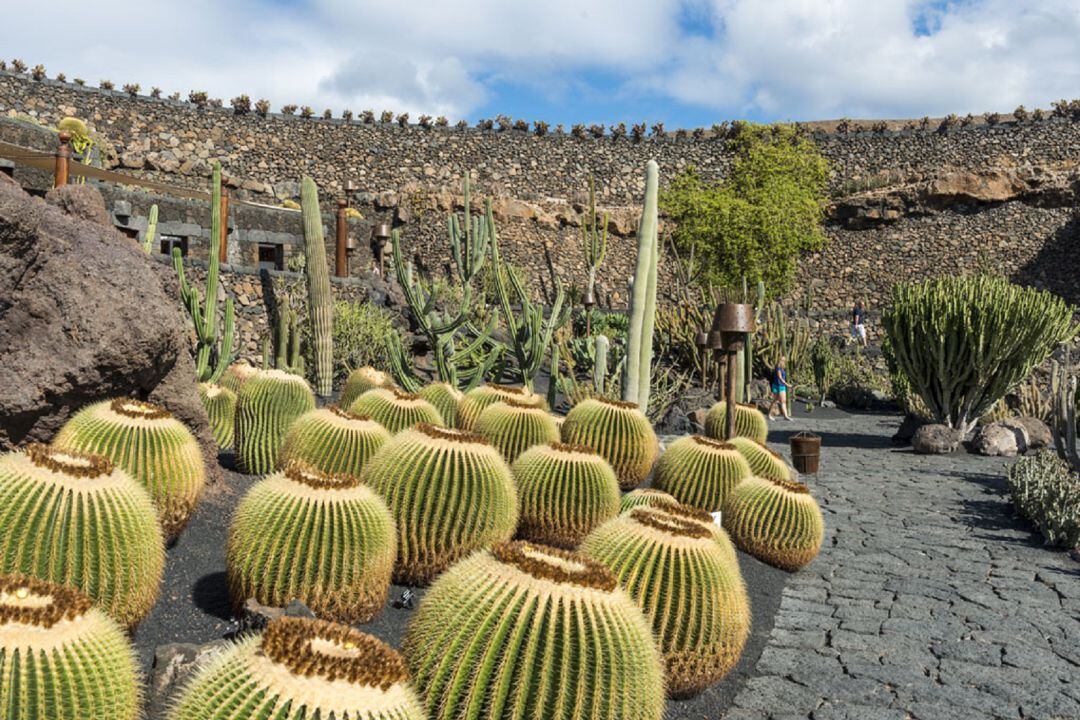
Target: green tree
{"x":757,"y":221}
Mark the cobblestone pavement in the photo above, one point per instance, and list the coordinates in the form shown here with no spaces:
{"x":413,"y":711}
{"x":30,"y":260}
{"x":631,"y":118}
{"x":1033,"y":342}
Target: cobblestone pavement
{"x":930,"y":599}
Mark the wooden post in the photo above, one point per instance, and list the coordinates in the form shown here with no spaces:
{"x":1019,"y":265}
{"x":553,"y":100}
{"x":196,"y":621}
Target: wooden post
{"x":223,"y":246}
{"x":63,"y":155}
{"x":732,"y":368}
{"x":342,"y":264}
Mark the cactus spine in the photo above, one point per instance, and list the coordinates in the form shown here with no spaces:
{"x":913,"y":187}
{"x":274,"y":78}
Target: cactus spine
{"x":267,"y":404}
{"x":619,"y":432}
{"x":79,"y":520}
{"x":636,"y":381}
{"x":333,"y":440}
{"x":325,"y":539}
{"x":320,"y":301}
{"x":360,"y":381}
{"x":529,"y":632}
{"x":514,"y":427}
{"x":220,"y":405}
{"x":700,"y":472}
{"x":749,"y":422}
{"x":211,"y":358}
{"x":395,"y":409}
{"x":300,"y":669}
{"x":693,"y":595}
{"x":61,"y":658}
{"x":151,"y":230}
{"x":776,"y":521}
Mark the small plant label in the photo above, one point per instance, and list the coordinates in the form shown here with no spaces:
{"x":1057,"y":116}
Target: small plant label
{"x":717,"y":517}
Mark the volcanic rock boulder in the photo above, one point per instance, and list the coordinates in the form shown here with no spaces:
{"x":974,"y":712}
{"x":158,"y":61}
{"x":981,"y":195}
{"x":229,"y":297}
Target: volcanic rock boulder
{"x":85,"y":315}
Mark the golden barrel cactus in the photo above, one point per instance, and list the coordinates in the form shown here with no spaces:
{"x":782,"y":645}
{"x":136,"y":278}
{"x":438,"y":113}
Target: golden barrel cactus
{"x":514,"y":427}
{"x":360,"y":381}
{"x":395,"y":409}
{"x":643,"y":497}
{"x":235,"y":375}
{"x":474,"y":401}
{"x":749,"y":422}
{"x":620,"y":432}
{"x":220,"y":404}
{"x":335,"y":441}
{"x":776,"y":521}
{"x":700,"y":471}
{"x":446,"y":398}
{"x":764,"y":461}
{"x":266,"y":405}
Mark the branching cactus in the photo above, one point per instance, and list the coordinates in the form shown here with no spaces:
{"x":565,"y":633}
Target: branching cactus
{"x":151,"y":230}
{"x":637,"y":380}
{"x":593,"y":240}
{"x":469,"y":238}
{"x":320,"y":300}
{"x":1065,"y":396}
{"x":213,"y":352}
{"x":286,"y":354}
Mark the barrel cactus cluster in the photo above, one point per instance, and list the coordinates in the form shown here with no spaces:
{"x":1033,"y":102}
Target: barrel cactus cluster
{"x":619,"y":432}
{"x":267,"y":404}
{"x":360,"y":381}
{"x":151,"y":445}
{"x":514,"y":427}
{"x":395,"y":409}
{"x":527,"y":631}
{"x":220,"y":404}
{"x":749,"y":422}
{"x":776,"y":521}
{"x":474,"y":401}
{"x":700,"y":471}
{"x":333,"y":440}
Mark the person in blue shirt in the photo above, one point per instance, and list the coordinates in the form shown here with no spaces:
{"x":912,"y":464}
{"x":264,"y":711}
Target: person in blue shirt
{"x":779,"y":386}
{"x":858,"y":322}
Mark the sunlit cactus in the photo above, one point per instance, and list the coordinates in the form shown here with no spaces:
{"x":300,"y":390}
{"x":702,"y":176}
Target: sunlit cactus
{"x":61,"y":658}
{"x":267,"y":404}
{"x":395,"y":409}
{"x":699,"y":471}
{"x":79,"y":520}
{"x":360,"y":381}
{"x":749,"y":422}
{"x":446,"y":398}
{"x":300,"y":669}
{"x":334,"y":441}
{"x":565,"y":491}
{"x":620,"y":432}
{"x":450,"y":493}
{"x":707,"y":520}
{"x":764,"y":461}
{"x":236,"y":374}
{"x":776,"y":521}
{"x":644,"y":497}
{"x":151,"y":445}
{"x":693,"y":595}
{"x":474,"y":401}
{"x":530,"y":632}
{"x":327,"y":540}
{"x":220,"y":405}
{"x":514,"y":427}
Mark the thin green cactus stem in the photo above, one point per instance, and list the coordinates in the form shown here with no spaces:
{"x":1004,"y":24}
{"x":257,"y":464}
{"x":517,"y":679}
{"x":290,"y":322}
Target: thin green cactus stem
{"x":636,"y":381}
{"x":151,"y":230}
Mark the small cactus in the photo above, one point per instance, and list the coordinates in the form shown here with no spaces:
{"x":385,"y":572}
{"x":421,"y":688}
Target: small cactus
{"x":328,"y":540}
{"x":266,"y":405}
{"x":514,"y":427}
{"x":334,"y":441}
{"x":776,"y":521}
{"x":395,"y":409}
{"x":749,"y":422}
{"x":360,"y":381}
{"x":643,"y":497}
{"x":220,"y":405}
{"x":619,"y":431}
{"x":699,"y":471}
{"x":478,"y":398}
{"x":764,"y":461}
{"x":445,"y":397}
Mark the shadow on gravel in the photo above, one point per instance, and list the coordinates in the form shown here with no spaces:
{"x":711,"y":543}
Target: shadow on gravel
{"x":211,"y":595}
{"x":995,"y":514}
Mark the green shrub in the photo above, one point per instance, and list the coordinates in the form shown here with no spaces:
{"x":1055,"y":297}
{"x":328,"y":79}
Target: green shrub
{"x":1047,"y":492}
{"x":360,"y":331}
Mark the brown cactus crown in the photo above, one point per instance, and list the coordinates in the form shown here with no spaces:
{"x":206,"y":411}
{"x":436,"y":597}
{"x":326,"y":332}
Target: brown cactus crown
{"x":669,"y":523}
{"x":403,"y":395}
{"x":689,"y":512}
{"x":572,"y":448}
{"x":68,"y":462}
{"x":29,"y":601}
{"x":558,"y":566}
{"x":138,"y":409}
{"x":521,"y":404}
{"x":792,"y":486}
{"x":212,"y":390}
{"x":309,"y":647}
{"x":347,"y":414}
{"x":301,"y":472}
{"x":510,"y":389}
{"x":712,"y":443}
{"x":440,"y":433}
{"x":616,"y":403}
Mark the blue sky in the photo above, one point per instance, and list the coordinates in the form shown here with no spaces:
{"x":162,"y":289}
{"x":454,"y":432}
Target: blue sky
{"x":686,"y":63}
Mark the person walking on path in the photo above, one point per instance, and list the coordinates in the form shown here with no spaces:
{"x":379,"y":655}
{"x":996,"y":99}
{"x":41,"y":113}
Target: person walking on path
{"x":858,"y":322}
{"x":779,"y":386}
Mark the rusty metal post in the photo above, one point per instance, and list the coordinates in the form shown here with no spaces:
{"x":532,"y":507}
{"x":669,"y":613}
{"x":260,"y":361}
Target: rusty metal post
{"x":223,"y":245}
{"x":342,"y":266}
{"x":63,"y":156}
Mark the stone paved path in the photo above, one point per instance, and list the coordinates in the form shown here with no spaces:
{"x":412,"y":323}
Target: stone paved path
{"x":929,"y":601}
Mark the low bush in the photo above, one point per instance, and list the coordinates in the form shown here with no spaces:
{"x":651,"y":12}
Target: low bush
{"x":1047,"y":492}
{"x":360,"y":331}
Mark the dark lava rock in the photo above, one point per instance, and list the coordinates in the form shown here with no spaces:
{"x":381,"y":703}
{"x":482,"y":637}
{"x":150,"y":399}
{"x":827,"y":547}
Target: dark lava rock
{"x":173,"y":665}
{"x":908,"y":427}
{"x":935,"y":440}
{"x":85,"y":315}
{"x":1037,"y":433}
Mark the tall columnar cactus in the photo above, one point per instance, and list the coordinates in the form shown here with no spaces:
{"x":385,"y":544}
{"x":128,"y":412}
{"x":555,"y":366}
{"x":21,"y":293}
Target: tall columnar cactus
{"x":599,"y":373}
{"x":151,"y":230}
{"x":328,"y":540}
{"x":266,"y":406}
{"x":555,"y":377}
{"x":693,"y":595}
{"x":593,"y":239}
{"x":151,"y":445}
{"x":643,"y":497}
{"x":333,"y":440}
{"x":220,"y":405}
{"x":320,"y":301}
{"x":79,"y":520}
{"x":450,"y":493}
{"x":445,"y":397}
{"x":299,"y":669}
{"x":749,"y":422}
{"x":211,"y":356}
{"x":565,"y":492}
{"x":530,"y":632}
{"x":61,"y":658}
{"x":284,"y":353}
{"x":469,"y":238}
{"x":474,"y":401}
{"x":514,"y":427}
{"x":637,"y":380}
{"x":395,"y":409}
{"x":620,"y":432}
{"x":776,"y":521}
{"x":700,"y":472}
{"x":764,"y":461}
{"x":962,"y":342}
{"x":1065,"y":405}
{"x":360,"y":381}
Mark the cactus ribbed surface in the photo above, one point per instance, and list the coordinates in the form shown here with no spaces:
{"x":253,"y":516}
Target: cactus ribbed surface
{"x":620,"y":432}
{"x":474,"y":401}
{"x":749,"y":422}
{"x":446,"y":398}
{"x":301,"y":669}
{"x":334,"y":441}
{"x":450,"y":493}
{"x":81,"y":521}
{"x":691,"y":592}
{"x":565,"y":491}
{"x":151,"y":230}
{"x":637,"y":380}
{"x":320,"y":301}
{"x":61,"y":658}
{"x":776,"y":521}
{"x":235,"y":376}
{"x":514,"y":427}
{"x":267,"y":404}
{"x":643,"y":497}
{"x":600,"y":353}
{"x":151,"y":445}
{"x":700,"y":471}
{"x":360,"y":381}
{"x":764,"y":461}
{"x":526,"y":632}
{"x":395,"y":409}
{"x":328,"y":540}
{"x":220,"y":405}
